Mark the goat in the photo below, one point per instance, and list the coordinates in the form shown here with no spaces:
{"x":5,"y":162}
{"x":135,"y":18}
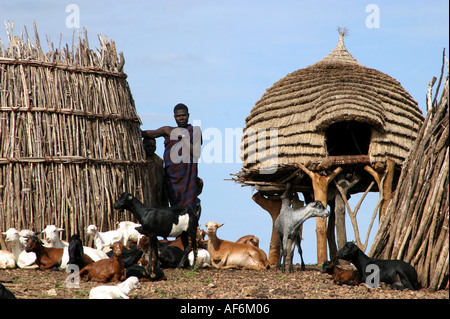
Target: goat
{"x":106,"y":269}
{"x":288,"y":224}
{"x":120,"y":291}
{"x":17,"y":243}
{"x":249,"y":239}
{"x":226,"y":254}
{"x":169,"y":256}
{"x":203,"y":258}
{"x":76,"y":252}
{"x":103,"y":239}
{"x":341,"y":276}
{"x":7,"y":260}
{"x":130,"y":255}
{"x":128,"y":231}
{"x":5,"y":293}
{"x":397,"y":273}
{"x":179,"y":221}
{"x":47,"y":257}
{"x":52,"y":239}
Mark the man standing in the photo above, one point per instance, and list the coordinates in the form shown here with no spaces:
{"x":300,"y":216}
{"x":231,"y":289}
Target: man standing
{"x":182,"y":149}
{"x":156,"y":167}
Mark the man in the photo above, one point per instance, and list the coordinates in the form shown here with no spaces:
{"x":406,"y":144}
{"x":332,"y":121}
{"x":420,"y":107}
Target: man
{"x":156,"y":167}
{"x":182,"y":150}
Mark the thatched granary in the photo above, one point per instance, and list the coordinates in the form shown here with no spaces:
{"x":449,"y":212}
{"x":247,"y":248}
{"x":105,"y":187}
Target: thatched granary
{"x":336,"y":116}
{"x":69,"y":136}
{"x":335,"y":107}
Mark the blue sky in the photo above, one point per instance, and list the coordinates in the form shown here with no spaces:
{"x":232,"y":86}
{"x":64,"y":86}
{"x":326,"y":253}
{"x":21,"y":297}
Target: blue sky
{"x":218,"y":57}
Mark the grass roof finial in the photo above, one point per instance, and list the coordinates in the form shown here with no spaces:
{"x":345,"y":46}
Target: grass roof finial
{"x":342,"y":31}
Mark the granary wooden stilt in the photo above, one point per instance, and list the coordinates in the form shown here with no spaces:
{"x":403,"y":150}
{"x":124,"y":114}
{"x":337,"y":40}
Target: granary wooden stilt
{"x":320,"y":186}
{"x":273,"y":207}
{"x":378,"y":174}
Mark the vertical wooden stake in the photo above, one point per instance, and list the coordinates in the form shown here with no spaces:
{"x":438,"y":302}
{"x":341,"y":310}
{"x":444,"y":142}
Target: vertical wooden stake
{"x":386,"y":185}
{"x":273,"y":207}
{"x":320,"y":187}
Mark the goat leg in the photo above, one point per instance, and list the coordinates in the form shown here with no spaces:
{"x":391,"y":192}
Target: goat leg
{"x":298,"y":243}
{"x":153,"y":248}
{"x":185,"y":242}
{"x":289,"y":255}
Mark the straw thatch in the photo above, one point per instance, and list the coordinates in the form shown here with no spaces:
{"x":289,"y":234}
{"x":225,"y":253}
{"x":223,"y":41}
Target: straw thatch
{"x":311,"y":107}
{"x":70,"y":138}
{"x":415,"y":227}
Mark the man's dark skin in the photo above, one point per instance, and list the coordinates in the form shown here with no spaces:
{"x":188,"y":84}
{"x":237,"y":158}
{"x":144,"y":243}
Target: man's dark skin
{"x":181,"y":118}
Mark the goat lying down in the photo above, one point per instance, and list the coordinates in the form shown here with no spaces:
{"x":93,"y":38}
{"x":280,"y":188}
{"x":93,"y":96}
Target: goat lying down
{"x":106,"y":270}
{"x":119,"y":291}
{"x":341,"y":276}
{"x":227,"y":254}
{"x":397,"y":273}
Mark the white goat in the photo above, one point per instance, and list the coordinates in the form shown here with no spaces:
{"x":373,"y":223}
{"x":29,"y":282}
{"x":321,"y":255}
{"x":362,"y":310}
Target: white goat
{"x":203,"y":258}
{"x":53,"y":240}
{"x":103,"y":239}
{"x":119,"y":291}
{"x":288,"y":224}
{"x":7,"y":260}
{"x":128,"y":231}
{"x":17,"y":242}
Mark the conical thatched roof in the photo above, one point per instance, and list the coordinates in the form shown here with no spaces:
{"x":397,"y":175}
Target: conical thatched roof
{"x":305,"y":104}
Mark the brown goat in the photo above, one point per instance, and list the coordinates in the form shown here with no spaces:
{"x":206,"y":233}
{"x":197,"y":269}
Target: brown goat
{"x":46,"y":257}
{"x":249,"y":240}
{"x":340,"y":276}
{"x":106,"y":270}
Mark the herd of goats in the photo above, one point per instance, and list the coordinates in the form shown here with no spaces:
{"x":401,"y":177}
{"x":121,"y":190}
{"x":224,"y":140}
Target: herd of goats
{"x":135,"y":254}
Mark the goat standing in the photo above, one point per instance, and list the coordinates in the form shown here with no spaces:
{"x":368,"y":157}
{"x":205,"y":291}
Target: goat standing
{"x":178,"y":221}
{"x":288,"y":224}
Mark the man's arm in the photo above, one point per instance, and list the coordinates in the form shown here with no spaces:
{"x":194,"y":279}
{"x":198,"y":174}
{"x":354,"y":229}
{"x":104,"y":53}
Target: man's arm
{"x":162,"y":131}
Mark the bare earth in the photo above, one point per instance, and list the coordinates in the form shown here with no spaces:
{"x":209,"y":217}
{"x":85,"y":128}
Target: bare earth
{"x":211,"y":284}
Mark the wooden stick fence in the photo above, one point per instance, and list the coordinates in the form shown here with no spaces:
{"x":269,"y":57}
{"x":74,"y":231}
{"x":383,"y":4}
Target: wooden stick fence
{"x":69,"y":135}
{"x":415,"y":227}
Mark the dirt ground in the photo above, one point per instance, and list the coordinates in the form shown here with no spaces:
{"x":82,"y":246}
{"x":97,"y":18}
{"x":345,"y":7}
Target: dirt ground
{"x":210,"y":283}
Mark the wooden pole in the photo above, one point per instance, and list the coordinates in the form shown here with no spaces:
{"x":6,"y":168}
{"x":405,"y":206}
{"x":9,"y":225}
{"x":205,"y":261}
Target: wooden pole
{"x":378,"y":174}
{"x":320,"y":186}
{"x":273,"y":207}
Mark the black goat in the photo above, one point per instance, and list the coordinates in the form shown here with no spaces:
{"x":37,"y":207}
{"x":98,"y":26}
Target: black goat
{"x":397,"y":273}
{"x":76,"y":252}
{"x":178,"y":221}
{"x":170,"y":256}
{"x":5,"y":293}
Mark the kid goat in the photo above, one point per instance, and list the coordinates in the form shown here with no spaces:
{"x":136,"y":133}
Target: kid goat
{"x":178,"y":221}
{"x":288,"y":224}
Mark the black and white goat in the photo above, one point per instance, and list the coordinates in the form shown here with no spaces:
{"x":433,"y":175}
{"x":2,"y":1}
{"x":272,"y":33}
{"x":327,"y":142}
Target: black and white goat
{"x":178,"y":221}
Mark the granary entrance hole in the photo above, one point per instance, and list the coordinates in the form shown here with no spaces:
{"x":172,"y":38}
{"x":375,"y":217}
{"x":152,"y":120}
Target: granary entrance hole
{"x":348,"y":138}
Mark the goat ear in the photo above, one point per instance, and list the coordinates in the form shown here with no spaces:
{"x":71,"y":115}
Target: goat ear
{"x":220,"y":225}
{"x":60,"y":229}
{"x":36,"y":233}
